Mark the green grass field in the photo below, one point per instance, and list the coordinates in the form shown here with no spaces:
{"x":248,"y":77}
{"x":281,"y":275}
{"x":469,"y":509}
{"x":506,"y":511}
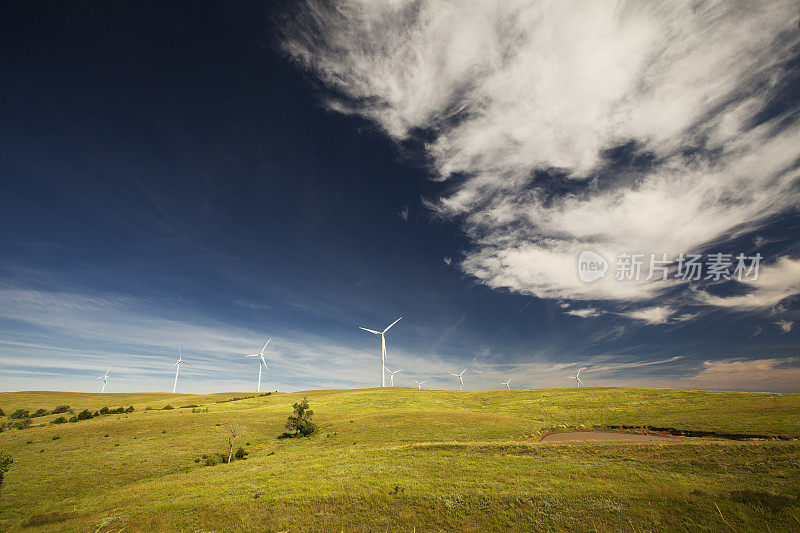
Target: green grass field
{"x":403,"y":460}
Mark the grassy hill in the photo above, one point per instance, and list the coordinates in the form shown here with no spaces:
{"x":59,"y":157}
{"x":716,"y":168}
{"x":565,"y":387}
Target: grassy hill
{"x":401,"y":459}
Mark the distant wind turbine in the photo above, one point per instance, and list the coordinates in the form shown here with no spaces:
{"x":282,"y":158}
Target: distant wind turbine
{"x":383,"y":348}
{"x":419,"y":383}
{"x":391,"y":378}
{"x":506,"y":384}
{"x":577,"y":378}
{"x":460,"y":379}
{"x":104,"y":377}
{"x":177,"y":366}
{"x":261,"y":362}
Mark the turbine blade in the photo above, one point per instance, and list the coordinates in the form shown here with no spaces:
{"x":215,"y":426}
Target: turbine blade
{"x":370,"y":330}
{"x":265,"y":345}
{"x":392,"y":324}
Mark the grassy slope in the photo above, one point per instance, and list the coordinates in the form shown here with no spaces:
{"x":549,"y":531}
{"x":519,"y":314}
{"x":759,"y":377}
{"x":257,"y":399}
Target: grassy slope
{"x":397,"y":459}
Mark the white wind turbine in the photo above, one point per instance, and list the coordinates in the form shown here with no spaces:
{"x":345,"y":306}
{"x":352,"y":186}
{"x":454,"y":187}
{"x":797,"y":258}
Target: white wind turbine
{"x":391,"y":378}
{"x":419,"y":383}
{"x":506,"y":384}
{"x":177,"y":366}
{"x":383,"y":348}
{"x":261,"y":362}
{"x":460,"y":379}
{"x":104,"y":377}
{"x":577,"y":378}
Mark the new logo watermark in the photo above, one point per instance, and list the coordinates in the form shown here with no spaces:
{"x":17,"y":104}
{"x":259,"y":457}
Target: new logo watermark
{"x":688,"y":267}
{"x":591,"y":266}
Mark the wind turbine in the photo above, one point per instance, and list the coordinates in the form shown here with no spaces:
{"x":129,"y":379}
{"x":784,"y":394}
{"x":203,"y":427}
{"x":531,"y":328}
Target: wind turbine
{"x":104,"y":377}
{"x":460,"y":379}
{"x":177,"y":366}
{"x":577,"y":378}
{"x":506,"y":384}
{"x":383,"y":348}
{"x":261,"y":362}
{"x":391,"y":378}
{"x":419,"y":383}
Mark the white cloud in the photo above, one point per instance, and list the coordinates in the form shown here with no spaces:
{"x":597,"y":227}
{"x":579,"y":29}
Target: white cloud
{"x":509,"y":87}
{"x":785,"y":325}
{"x":651,"y":315}
{"x":774,"y":283}
{"x":768,"y":374}
{"x":589,"y":312}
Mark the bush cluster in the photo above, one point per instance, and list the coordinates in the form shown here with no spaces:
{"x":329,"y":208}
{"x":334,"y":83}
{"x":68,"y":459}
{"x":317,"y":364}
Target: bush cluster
{"x":21,"y":424}
{"x":167,"y":407}
{"x":40,"y":412}
{"x":20,"y":413}
{"x":218,"y":457}
{"x":61,"y":409}
{"x":2,"y":413}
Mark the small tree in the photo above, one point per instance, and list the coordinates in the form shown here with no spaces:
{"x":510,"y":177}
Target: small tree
{"x":300,"y":424}
{"x":5,"y":464}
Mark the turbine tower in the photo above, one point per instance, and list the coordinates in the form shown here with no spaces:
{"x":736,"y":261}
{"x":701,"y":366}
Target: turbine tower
{"x":391,"y":378}
{"x":383,"y":348}
{"x":577,"y":378}
{"x":261,"y":362}
{"x":460,"y":379}
{"x":177,"y":366}
{"x":104,"y":377}
{"x":419,"y":383}
{"x":506,"y":384}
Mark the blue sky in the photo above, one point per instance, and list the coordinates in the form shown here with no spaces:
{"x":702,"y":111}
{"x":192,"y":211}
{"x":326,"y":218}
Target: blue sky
{"x":210,"y":177}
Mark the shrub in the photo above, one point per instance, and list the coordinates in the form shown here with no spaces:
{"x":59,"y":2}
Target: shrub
{"x":129,"y":409}
{"x":5,"y":464}
{"x":148,"y":408}
{"x":59,"y":420}
{"x":73,"y":419}
{"x":300,"y":424}
{"x":241,"y":453}
{"x":39,"y":412}
{"x":190,"y":406}
{"x":2,"y":413}
{"x":55,"y":437}
{"x":104,"y":410}
{"x":22,"y":424}
{"x":167,"y":407}
{"x":85,"y":415}
{"x":61,"y":409}
{"x":20,"y":413}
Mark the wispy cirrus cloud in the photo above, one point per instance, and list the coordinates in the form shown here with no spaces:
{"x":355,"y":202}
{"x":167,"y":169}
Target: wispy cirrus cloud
{"x":526,"y":104}
{"x":774,"y":284}
{"x":588,"y":312}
